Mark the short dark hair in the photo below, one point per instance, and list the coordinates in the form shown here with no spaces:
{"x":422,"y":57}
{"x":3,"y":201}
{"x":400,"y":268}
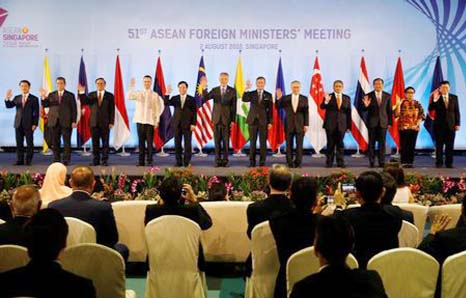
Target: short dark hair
{"x":183,"y":82}
{"x":398,"y":174}
{"x":82,"y":177}
{"x":170,"y":190}
{"x":389,"y":184}
{"x":410,"y":88}
{"x":260,"y":78}
{"x":61,"y":79}
{"x":279,"y":177}
{"x":46,"y":235}
{"x":224,"y":73}
{"x":304,"y":192}
{"x":25,"y":81}
{"x":338,"y":81}
{"x":334,"y":239}
{"x":445,"y":83}
{"x":370,"y":186}
{"x":377,"y":79}
{"x":100,"y":78}
{"x":217,"y":192}
{"x":148,"y":76}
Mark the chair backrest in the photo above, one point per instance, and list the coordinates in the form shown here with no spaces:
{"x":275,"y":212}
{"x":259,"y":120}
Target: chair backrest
{"x":79,"y":232}
{"x":408,"y":235}
{"x":129,"y":217}
{"x":226,"y":240}
{"x":103,"y":265}
{"x":406,"y":272}
{"x":265,"y":263}
{"x":452,"y":210}
{"x":304,"y":263}
{"x":419,"y":214}
{"x":173,"y":248}
{"x":12,"y":257}
{"x":454,"y":276}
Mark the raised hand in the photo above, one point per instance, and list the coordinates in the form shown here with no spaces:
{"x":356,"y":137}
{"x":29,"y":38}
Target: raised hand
{"x":279,"y":93}
{"x":169,"y":89}
{"x":9,"y":94}
{"x":439,"y":224}
{"x":43,"y":93}
{"x":132,"y":83}
{"x":81,"y":89}
{"x":327,"y":98}
{"x":366,"y":100}
{"x":203,"y":82}
{"x":248,"y":85}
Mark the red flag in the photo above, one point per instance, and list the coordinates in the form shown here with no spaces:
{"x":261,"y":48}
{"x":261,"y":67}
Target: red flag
{"x":315,"y":132}
{"x":165,"y":130}
{"x":398,"y":93}
{"x":276,"y":134}
{"x":121,"y":127}
{"x":84,"y":112}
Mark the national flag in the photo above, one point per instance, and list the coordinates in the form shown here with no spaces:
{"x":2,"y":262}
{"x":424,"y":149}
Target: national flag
{"x":121,"y":126}
{"x":276,"y":135}
{"x":239,"y":131}
{"x":204,"y":127}
{"x":398,"y":93}
{"x":84,"y":112}
{"x":165,"y":130}
{"x":316,"y":132}
{"x":358,"y":126}
{"x":436,"y":79}
{"x":47,"y":86}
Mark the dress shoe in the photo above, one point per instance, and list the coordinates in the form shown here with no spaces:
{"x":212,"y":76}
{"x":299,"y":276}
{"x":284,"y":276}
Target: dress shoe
{"x":381,"y":165}
{"x":342,"y":166}
{"x":140,"y":164}
{"x":438,"y":165}
{"x":18,"y":163}
{"x":66,"y":163}
{"x":178,"y":165}
{"x":252,"y":165}
{"x":371,"y":165}
{"x":218,"y":165}
{"x":262,"y":164}
{"x":450,"y":166}
{"x":28,"y":163}
{"x":225,"y":163}
{"x":187,"y":165}
{"x":150,"y":163}
{"x":328,"y":165}
{"x":105,"y":164}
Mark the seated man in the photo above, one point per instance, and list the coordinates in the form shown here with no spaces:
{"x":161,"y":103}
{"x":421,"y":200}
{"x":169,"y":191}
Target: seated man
{"x":44,"y":276}
{"x":25,"y":203}
{"x":333,"y":242}
{"x":294,"y":230}
{"x":390,"y":186}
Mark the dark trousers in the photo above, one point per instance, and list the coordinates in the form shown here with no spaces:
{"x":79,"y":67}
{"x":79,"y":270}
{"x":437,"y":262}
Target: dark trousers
{"x":145,"y":136}
{"x":100,"y":133}
{"x":59,"y":132}
{"x":444,"y":137}
{"x":335,"y":142}
{"x":254,"y":130}
{"x":21,"y":134}
{"x":186,"y":134}
{"x":221,"y":138}
{"x":291,"y":136}
{"x":408,"y":139}
{"x":378,"y":135}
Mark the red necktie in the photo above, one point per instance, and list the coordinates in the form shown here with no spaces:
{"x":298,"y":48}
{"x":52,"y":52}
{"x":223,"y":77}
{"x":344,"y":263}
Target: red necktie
{"x":59,"y":98}
{"x":339,"y":101}
{"x":24,"y":100}
{"x":99,"y":99}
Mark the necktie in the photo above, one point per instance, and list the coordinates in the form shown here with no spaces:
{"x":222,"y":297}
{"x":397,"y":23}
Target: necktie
{"x":260,"y":96}
{"x":379,"y":99}
{"x":183,"y":99}
{"x":99,"y":98}
{"x":294,"y":103}
{"x":445,"y":100}
{"x":60,"y":95}
{"x":223,"y":91}
{"x":24,"y":100}
{"x":339,"y":101}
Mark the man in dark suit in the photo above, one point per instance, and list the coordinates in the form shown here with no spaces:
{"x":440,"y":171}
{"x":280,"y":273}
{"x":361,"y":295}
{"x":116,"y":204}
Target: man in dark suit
{"x":337,"y":122}
{"x":259,"y":120}
{"x":25,"y":203}
{"x":333,"y":242}
{"x":43,"y":276}
{"x":184,"y":122}
{"x":62,"y":117}
{"x":26,"y":120}
{"x":446,"y":123}
{"x":223,"y":115}
{"x":102,"y":106}
{"x":378,"y":105}
{"x":296,"y":123}
{"x":390,"y":186}
{"x":295,"y":229}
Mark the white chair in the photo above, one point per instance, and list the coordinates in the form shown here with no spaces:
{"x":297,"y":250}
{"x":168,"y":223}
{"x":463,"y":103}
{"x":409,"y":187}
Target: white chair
{"x":454,"y":276}
{"x":304,"y":263}
{"x":419,"y":214}
{"x":79,"y":232}
{"x":129,"y":217}
{"x":173,"y":248}
{"x":408,"y":235}
{"x":226,"y":240}
{"x":101,"y":264}
{"x":12,"y":257}
{"x":406,"y":272}
{"x":265,"y":263}
{"x":452,"y":210}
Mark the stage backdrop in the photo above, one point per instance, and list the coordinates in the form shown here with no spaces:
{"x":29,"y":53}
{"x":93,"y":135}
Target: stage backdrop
{"x":180,"y":29}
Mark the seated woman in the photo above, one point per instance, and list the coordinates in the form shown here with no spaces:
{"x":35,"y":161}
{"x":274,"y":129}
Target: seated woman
{"x":54,"y":187}
{"x":403,"y":193}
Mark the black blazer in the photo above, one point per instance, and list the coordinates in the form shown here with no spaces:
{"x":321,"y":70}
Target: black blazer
{"x":97,"y":213}
{"x":224,"y":111}
{"x":66,"y":111}
{"x":397,"y":211}
{"x":29,"y":115}
{"x":262,"y":111}
{"x":336,"y":282}
{"x":44,"y":279}
{"x":183,"y":117}
{"x":11,"y":232}
{"x":446,"y":118}
{"x":194,"y":212}
{"x":101,"y":116}
{"x":444,"y":243}
{"x":379,"y":115}
{"x":294,"y":121}
{"x":337,"y":119}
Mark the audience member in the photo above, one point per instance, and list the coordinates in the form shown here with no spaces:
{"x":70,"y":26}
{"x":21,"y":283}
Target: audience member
{"x":54,"y":187}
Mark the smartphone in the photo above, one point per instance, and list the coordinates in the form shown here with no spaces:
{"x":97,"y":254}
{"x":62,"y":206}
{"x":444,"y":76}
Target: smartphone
{"x":184,"y":192}
{"x":328,"y":200}
{"x":348,"y":188}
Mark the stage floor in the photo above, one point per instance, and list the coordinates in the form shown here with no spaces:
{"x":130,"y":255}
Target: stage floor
{"x":424,"y":164}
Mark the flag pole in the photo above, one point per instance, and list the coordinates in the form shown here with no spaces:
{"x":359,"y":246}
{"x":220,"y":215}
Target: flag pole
{"x":162,"y":153}
{"x":397,"y":153}
{"x":358,"y":152}
{"x":48,"y":152}
{"x":200,"y":153}
{"x":279,"y":154}
{"x":317,"y":154}
{"x":84,"y":152}
{"x":123,"y":152}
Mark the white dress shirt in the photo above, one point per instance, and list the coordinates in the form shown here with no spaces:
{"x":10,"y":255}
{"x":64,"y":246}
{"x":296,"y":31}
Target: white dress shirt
{"x":148,"y":106}
{"x":294,"y":102}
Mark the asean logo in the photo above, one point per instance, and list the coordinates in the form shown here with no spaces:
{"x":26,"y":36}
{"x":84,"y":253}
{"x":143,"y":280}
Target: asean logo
{"x":3,"y":15}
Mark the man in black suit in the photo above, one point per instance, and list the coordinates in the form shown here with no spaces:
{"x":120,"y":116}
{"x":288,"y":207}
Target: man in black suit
{"x":378,"y":105}
{"x":295,"y":229}
{"x":26,"y":120}
{"x":390,"y":186}
{"x":333,"y":242}
{"x":337,"y":122}
{"x":62,"y":117}
{"x":223,"y":115}
{"x":43,"y":276}
{"x":446,"y":123}
{"x":259,"y":120}
{"x":25,"y":203}
{"x":296,"y":123}
{"x":97,"y":213}
{"x":102,"y":106}
{"x":184,"y":122}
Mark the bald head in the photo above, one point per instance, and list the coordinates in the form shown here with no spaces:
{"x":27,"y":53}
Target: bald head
{"x":82,"y":178}
{"x":26,"y":201}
